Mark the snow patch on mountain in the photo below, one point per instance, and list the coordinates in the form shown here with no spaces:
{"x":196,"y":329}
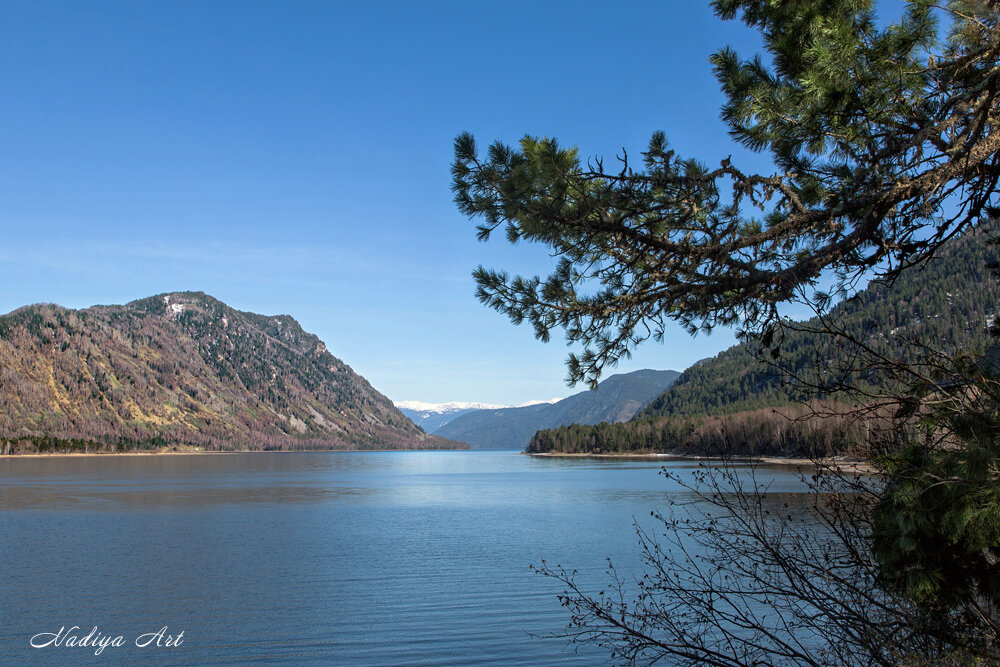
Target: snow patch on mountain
{"x":547,"y":401}
{"x":442,"y":408}
{"x":432,"y":416}
{"x":422,"y":406}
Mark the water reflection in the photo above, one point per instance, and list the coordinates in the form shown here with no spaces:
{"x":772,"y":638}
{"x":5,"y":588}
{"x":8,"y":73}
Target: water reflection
{"x":410,"y":478}
{"x":328,"y":558}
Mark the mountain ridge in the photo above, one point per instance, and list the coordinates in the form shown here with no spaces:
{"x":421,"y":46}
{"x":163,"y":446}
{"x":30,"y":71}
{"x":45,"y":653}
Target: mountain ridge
{"x":433,"y":416}
{"x":184,"y":369}
{"x":945,"y":302}
{"x":948,"y":304}
{"x":617,"y":399}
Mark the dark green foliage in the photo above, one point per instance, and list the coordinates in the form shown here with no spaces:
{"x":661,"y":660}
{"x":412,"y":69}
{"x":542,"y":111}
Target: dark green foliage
{"x":936,"y":527}
{"x":937,"y":530}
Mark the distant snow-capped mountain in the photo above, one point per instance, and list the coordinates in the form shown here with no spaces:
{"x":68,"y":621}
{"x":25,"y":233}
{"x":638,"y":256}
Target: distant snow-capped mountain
{"x":421,"y":406}
{"x":616,"y":400}
{"x":547,"y":401}
{"x":432,"y":416}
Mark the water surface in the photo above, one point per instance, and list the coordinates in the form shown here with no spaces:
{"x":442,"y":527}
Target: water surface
{"x":351,"y":558}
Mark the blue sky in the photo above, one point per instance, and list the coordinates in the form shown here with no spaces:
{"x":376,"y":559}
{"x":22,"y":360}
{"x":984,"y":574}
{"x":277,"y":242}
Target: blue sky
{"x":294,"y":158}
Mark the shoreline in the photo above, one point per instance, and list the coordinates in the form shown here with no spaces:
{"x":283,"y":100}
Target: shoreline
{"x":852,"y":465}
{"x":855,"y":465}
{"x":194,"y":452}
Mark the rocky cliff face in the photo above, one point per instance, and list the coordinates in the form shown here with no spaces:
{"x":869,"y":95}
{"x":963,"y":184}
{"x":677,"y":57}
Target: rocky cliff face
{"x":184,"y":368}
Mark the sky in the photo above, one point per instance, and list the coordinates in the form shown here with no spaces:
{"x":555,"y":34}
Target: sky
{"x":293,"y":158}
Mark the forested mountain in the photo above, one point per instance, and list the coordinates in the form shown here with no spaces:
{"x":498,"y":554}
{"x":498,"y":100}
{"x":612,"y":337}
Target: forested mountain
{"x":780,"y":431}
{"x":184,"y":369}
{"x":616,"y":399}
{"x":948,"y":304}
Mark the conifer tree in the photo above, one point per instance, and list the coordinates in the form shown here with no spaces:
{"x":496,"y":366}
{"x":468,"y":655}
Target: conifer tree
{"x":885,"y":147}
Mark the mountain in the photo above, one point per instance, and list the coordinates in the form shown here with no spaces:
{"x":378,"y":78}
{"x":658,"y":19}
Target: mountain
{"x":616,"y":399}
{"x":184,"y":369}
{"x":948,"y":304}
{"x":432,"y":416}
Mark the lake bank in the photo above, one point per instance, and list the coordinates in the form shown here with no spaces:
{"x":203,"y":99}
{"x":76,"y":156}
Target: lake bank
{"x":189,"y":452}
{"x":850,"y":465}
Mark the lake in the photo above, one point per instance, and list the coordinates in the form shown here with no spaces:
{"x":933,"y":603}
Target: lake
{"x":354,"y":558}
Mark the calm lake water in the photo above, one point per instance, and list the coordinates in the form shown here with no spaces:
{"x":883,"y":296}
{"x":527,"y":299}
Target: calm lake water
{"x":315,"y":558}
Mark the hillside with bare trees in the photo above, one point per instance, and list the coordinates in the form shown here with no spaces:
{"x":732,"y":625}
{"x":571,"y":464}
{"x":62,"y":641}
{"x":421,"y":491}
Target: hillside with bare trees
{"x":183,"y":370}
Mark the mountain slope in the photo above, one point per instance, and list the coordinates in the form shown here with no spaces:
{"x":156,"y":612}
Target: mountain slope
{"x":616,"y":399}
{"x":948,"y":304}
{"x":432,"y":416}
{"x":184,"y":368}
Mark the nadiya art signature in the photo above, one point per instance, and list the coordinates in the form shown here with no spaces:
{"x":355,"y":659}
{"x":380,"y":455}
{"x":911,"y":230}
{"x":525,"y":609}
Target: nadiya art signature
{"x":98,"y":641}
